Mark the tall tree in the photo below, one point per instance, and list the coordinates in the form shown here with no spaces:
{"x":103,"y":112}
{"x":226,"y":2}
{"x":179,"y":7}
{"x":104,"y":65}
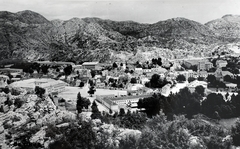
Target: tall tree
{"x":68,"y":70}
{"x":44,"y":69}
{"x":114,"y":65}
{"x":82,"y":103}
{"x":91,"y":90}
{"x":39,"y":91}
{"x":96,"y":114}
{"x":200,"y":90}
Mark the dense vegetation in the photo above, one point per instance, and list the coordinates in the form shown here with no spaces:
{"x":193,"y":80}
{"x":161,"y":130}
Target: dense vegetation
{"x":187,"y":103}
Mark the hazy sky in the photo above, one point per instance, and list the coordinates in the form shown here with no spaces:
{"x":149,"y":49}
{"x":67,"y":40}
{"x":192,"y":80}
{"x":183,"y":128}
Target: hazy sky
{"x":147,"y":11}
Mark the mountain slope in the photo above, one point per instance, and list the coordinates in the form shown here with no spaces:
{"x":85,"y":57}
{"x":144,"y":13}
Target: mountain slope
{"x":228,"y":26}
{"x":23,"y":35}
{"x":30,"y":36}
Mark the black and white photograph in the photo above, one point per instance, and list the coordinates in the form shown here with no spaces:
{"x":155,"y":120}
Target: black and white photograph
{"x":119,"y":74}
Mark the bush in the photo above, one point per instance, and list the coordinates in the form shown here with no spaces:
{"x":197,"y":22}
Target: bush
{"x":81,"y":84}
{"x":18,"y":103}
{"x":133,"y":80}
{"x":181,"y":78}
{"x":15,"y":92}
{"x":191,"y":79}
{"x":236,"y":134}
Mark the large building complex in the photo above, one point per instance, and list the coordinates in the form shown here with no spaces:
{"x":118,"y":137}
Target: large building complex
{"x":114,"y":102}
{"x":50,"y":85}
{"x":91,"y":65}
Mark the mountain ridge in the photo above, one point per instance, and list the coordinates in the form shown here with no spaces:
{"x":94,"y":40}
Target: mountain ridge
{"x":29,"y":35}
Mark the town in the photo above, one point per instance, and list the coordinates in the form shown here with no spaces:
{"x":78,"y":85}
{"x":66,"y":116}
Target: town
{"x":121,"y":85}
{"x":119,"y":74}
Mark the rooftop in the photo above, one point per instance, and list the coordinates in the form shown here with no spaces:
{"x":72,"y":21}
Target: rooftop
{"x":4,"y":76}
{"x":90,"y":63}
{"x":31,"y":83}
{"x":196,"y":83}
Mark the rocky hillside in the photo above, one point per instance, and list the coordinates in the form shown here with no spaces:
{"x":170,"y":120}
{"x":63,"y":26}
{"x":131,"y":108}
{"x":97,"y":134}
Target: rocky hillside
{"x":30,"y":36}
{"x":228,"y":26}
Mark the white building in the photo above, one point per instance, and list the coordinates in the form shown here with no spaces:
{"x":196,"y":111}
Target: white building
{"x":50,"y":85}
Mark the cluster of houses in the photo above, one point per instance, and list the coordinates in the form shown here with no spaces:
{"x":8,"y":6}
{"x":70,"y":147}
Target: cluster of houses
{"x":82,"y":73}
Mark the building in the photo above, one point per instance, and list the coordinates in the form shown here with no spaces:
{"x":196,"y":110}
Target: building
{"x":138,"y":70}
{"x":189,"y":63}
{"x":53,"y":87}
{"x":165,"y":91}
{"x":204,"y":65}
{"x":4,"y":78}
{"x":3,"y":81}
{"x":219,"y":74}
{"x":54,"y":63}
{"x":107,"y":102}
{"x":144,"y":80}
{"x":84,"y":73}
{"x":11,"y":70}
{"x":203,"y":74}
{"x":159,"y":70}
{"x":231,"y":86}
{"x":50,"y":85}
{"x":147,"y":70}
{"x":221,"y":63}
{"x":114,"y":102}
{"x":196,"y":83}
{"x":91,"y":65}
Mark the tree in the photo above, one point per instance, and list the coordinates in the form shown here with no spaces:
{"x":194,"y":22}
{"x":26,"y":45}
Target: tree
{"x":93,"y":73}
{"x":96,"y":114}
{"x":194,"y":67}
{"x":200,"y":78}
{"x":44,"y":69}
{"x":90,"y":82}
{"x":18,"y":103}
{"x":181,"y":78}
{"x":191,"y":79}
{"x":39,"y":91}
{"x":114,"y":65}
{"x":121,"y":112}
{"x":67,"y":70}
{"x":236,"y":71}
{"x":111,"y":80}
{"x":159,"y":61}
{"x":57,"y":69}
{"x":91,"y":90}
{"x":133,"y":80}
{"x":154,"y":61}
{"x":236,"y":133}
{"x":6,"y":90}
{"x":212,"y":103}
{"x":81,"y":84}
{"x":227,"y":78}
{"x":211,"y":79}
{"x":30,"y":70}
{"x":82,"y":102}
{"x":200,"y":90}
{"x":123,"y":79}
{"x":156,"y":82}
{"x":153,"y":104}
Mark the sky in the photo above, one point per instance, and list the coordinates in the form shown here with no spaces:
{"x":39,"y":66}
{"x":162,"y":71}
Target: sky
{"x":143,"y":11}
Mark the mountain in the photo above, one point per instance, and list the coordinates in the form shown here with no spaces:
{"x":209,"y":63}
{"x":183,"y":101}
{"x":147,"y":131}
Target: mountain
{"x":29,"y":35}
{"x":228,"y":26}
